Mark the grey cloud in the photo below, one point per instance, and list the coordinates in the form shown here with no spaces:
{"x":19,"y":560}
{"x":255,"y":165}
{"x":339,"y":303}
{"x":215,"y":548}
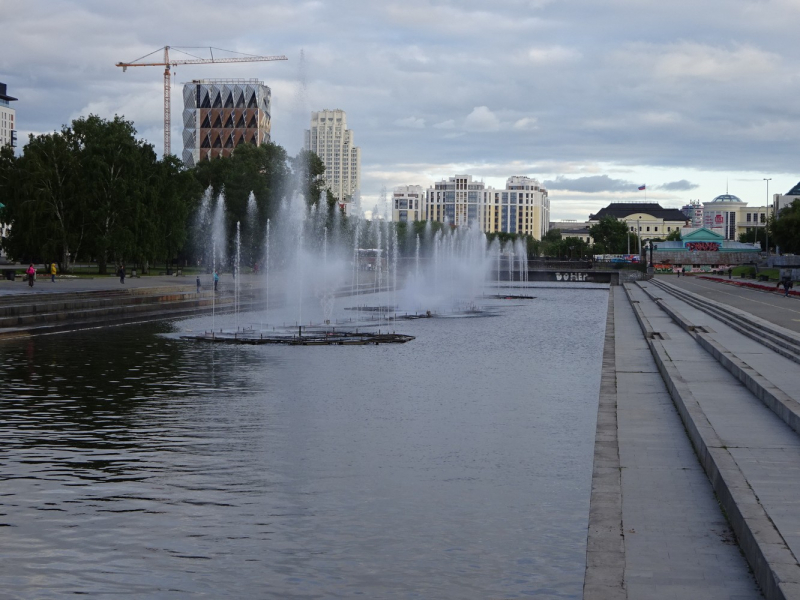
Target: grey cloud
{"x":678,"y":186}
{"x":607,"y":98}
{"x":411,"y":123}
{"x":591,"y":184}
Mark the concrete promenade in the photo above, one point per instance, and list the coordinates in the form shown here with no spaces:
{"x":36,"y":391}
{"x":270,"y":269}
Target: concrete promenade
{"x":706,"y":419}
{"x":770,"y":306}
{"x":66,"y":284}
{"x":656,"y":530}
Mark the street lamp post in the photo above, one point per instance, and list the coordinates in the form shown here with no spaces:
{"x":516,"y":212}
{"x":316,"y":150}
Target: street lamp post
{"x":639,"y":233}
{"x":766,"y":223}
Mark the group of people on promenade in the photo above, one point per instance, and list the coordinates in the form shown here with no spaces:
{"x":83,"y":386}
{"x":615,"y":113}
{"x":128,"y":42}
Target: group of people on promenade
{"x":31,"y":273}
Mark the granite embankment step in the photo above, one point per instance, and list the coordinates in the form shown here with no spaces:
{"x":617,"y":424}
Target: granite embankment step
{"x":655,"y":529}
{"x":24,"y":295}
{"x":776,"y":338}
{"x":772,"y":378}
{"x":750,"y":455}
{"x":35,"y":310}
{"x":66,"y":313}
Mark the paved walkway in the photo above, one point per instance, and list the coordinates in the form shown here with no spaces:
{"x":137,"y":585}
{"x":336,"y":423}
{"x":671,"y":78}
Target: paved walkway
{"x":676,"y":542}
{"x":772,"y":307}
{"x":43,"y":285}
{"x":776,"y":369}
{"x":757,"y":453}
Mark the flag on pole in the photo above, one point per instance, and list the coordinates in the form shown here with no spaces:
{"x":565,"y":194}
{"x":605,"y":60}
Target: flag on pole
{"x":642,"y":187}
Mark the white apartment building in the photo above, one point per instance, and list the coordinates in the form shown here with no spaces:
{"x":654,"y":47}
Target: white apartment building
{"x":407,"y":201}
{"x":8,"y":131}
{"x":330,"y":139}
{"x":781,"y":201}
{"x":523,"y":207}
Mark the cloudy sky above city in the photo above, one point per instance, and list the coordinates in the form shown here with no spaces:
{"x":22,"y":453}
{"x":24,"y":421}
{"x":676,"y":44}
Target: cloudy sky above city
{"x":592,"y":98}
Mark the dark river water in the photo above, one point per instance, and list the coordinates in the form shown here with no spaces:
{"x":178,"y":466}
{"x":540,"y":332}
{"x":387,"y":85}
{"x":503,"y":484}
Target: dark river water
{"x":455,"y":466}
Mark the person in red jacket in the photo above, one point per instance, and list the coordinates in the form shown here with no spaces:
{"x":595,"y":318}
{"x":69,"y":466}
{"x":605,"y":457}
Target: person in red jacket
{"x":31,"y":273}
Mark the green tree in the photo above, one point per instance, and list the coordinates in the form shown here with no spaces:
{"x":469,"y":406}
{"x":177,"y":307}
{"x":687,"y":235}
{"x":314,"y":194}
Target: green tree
{"x":611,"y":236}
{"x":785,"y":228}
{"x":118,"y":173}
{"x":674,"y":235}
{"x":309,"y":172}
{"x":753,"y":235}
{"x":93,"y":190}
{"x":44,"y":200}
{"x":262,"y":170}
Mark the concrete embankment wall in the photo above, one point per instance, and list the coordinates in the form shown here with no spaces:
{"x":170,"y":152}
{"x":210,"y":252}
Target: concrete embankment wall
{"x":22,"y":316}
{"x":613,"y":277}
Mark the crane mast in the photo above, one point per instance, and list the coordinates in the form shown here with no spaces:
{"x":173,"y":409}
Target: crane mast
{"x":167,"y":63}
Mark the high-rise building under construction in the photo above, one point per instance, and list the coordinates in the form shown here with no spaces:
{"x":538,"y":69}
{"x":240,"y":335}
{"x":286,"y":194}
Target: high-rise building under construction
{"x":220,"y":114}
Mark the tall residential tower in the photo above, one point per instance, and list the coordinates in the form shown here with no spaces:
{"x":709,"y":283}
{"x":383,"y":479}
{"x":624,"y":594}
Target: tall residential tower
{"x":220,"y":114}
{"x":330,"y":139}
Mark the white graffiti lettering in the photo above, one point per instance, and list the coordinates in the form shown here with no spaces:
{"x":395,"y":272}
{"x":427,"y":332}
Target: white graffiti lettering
{"x":571,"y":276}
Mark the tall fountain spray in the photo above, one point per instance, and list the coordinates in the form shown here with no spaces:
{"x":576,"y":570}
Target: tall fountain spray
{"x":267,"y":261}
{"x":213,"y":287}
{"x":236,"y":272}
{"x":416,"y":259}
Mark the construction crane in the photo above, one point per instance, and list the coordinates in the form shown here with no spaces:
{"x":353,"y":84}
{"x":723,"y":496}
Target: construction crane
{"x":168,"y":63}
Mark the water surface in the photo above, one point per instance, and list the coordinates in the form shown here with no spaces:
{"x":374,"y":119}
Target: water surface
{"x":454,"y":466}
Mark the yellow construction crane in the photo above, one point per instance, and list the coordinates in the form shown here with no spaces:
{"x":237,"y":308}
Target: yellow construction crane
{"x":168,"y":63}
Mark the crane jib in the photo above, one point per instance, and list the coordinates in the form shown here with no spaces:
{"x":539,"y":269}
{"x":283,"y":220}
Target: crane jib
{"x":167,"y":63}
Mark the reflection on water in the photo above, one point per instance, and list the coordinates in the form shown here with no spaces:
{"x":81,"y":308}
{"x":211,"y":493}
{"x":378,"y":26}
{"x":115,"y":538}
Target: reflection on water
{"x":455,"y":466}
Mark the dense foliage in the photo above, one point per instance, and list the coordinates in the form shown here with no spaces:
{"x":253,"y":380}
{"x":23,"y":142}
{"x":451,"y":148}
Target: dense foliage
{"x":610,"y":236}
{"x":785,"y":229}
{"x":92,"y":191}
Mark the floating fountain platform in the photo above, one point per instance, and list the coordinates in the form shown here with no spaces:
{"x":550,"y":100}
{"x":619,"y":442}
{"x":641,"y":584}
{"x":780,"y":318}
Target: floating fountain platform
{"x":510,"y":297}
{"x":301,"y":338}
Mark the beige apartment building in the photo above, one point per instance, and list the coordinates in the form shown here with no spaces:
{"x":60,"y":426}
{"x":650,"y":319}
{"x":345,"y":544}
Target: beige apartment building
{"x":407,"y":201}
{"x":522,"y":207}
{"x":332,"y":141}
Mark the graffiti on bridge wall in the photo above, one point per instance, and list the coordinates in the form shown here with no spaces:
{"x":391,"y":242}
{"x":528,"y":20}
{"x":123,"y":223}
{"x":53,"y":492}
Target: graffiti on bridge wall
{"x":573,"y":277}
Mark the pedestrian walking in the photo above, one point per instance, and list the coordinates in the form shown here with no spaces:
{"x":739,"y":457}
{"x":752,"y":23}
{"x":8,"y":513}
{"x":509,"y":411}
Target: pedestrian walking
{"x":198,"y":284}
{"x":730,"y":272}
{"x":787,"y":285}
{"x":122,"y":273}
{"x":52,"y":272}
{"x":678,"y":271}
{"x":216,"y":280}
{"x":31,"y":273}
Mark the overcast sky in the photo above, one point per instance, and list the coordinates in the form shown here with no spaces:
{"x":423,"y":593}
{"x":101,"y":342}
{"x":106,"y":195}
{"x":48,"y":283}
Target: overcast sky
{"x":593,"y":98}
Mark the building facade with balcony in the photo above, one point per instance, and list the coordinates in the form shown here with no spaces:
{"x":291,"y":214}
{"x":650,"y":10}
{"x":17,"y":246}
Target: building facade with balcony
{"x":730,"y":217}
{"x":221,"y":114}
{"x":407,"y":201}
{"x":329,"y":137}
{"x":522,"y":207}
{"x":8,"y":119}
